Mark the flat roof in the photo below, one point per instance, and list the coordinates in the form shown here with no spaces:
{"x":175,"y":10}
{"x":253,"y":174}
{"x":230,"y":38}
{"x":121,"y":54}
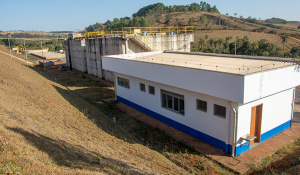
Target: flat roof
{"x":231,"y":65}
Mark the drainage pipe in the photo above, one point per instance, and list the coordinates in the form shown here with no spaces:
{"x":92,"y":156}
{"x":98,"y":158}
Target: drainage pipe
{"x":234,"y":130}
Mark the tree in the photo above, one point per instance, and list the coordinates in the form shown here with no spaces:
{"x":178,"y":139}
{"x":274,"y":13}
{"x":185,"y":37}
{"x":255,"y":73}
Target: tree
{"x":201,"y":43}
{"x":227,"y":14}
{"x":284,"y":39}
{"x":191,"y":21}
{"x":226,"y":44}
{"x":220,"y":42}
{"x":255,"y":46}
{"x":295,"y":51}
{"x":206,"y":37}
{"x":235,"y":14}
{"x":212,"y":42}
{"x":203,"y":19}
{"x":228,"y":38}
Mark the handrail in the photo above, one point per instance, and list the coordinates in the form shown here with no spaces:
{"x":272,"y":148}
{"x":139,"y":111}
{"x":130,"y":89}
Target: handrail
{"x":150,"y":42}
{"x":136,"y":30}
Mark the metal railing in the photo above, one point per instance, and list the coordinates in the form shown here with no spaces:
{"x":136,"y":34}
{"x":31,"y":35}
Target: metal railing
{"x":148,"y":42}
{"x":120,"y":32}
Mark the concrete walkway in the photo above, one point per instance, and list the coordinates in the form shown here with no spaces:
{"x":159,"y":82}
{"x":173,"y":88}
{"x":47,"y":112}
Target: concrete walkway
{"x":241,"y":163}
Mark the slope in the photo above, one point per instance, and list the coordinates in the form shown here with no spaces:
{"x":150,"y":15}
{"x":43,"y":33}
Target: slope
{"x":218,"y":26}
{"x":46,"y":129}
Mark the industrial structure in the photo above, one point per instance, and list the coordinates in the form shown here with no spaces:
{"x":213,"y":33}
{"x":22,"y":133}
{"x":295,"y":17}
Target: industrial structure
{"x":84,"y":52}
{"x":231,"y":103}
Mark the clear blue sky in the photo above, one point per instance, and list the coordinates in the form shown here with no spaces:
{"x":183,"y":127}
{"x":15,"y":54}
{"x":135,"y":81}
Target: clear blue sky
{"x":58,"y":15}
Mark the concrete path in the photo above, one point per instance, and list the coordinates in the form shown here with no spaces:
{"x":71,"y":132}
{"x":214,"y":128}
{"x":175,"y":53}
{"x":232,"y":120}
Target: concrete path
{"x":241,"y":163}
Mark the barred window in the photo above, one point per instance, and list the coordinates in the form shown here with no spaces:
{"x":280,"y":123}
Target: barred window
{"x":172,"y":101}
{"x":123,"y":82}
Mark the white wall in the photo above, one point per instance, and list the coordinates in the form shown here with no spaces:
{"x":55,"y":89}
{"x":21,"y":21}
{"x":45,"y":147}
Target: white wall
{"x":205,"y":122}
{"x":276,"y":111}
{"x":263,"y":84}
{"x":221,"y":85}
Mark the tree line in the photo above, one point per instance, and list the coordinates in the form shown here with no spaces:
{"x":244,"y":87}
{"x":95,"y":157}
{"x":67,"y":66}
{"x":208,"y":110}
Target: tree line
{"x":142,"y":17}
{"x":160,"y":7}
{"x":243,"y":47}
{"x":53,"y":45}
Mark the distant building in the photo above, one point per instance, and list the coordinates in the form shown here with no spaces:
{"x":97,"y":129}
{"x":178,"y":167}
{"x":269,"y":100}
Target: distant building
{"x":226,"y":102}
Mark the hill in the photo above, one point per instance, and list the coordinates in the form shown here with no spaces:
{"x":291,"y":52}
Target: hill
{"x":32,"y":34}
{"x":203,"y":17}
{"x":46,"y":129}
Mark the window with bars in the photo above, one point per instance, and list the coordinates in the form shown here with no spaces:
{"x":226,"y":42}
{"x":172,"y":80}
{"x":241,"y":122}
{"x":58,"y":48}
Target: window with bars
{"x":123,"y":82}
{"x":202,"y":105}
{"x":151,"y":90}
{"x":172,"y":101}
{"x":142,"y":87}
{"x":220,"y":111}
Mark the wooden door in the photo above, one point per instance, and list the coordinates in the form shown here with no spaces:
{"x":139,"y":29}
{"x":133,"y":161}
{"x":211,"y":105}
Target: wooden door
{"x":255,"y":127}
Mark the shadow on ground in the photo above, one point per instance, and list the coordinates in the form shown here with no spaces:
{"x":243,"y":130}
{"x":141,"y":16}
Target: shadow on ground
{"x":102,"y":121}
{"x":296,"y":117}
{"x":75,"y":156}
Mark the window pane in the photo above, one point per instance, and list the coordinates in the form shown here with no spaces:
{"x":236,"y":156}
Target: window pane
{"x":176,"y":106}
{"x":181,"y":103}
{"x":220,"y":110}
{"x":142,"y":86}
{"x":170,"y":102}
{"x":164,"y":100}
{"x":202,"y":105}
{"x":151,"y":90}
{"x":123,"y":82}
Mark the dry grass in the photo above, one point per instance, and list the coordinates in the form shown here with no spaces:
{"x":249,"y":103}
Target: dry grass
{"x":285,"y":161}
{"x":42,"y":33}
{"x":46,"y":129}
{"x":253,"y":36}
{"x":170,"y":156}
{"x":178,"y":152}
{"x":217,"y":31}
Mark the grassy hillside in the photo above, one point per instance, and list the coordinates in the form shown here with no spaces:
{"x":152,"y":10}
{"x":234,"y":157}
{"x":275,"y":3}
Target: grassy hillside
{"x":219,"y":26}
{"x":46,"y":129}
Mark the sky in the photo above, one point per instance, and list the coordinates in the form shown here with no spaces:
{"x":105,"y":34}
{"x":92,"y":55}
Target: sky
{"x":72,"y":15}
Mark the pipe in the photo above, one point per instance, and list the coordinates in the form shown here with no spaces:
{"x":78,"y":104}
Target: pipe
{"x":234,"y":130}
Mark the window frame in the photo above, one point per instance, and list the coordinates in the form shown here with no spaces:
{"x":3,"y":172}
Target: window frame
{"x":121,"y":82}
{"x":173,"y":95}
{"x":197,"y":106}
{"x":141,"y":87}
{"x":224,"y":117}
{"x":149,"y":87}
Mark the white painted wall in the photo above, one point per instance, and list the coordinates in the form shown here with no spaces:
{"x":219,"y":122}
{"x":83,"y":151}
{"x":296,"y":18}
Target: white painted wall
{"x":221,"y":85}
{"x":263,"y":84}
{"x":205,"y":122}
{"x":276,"y":111}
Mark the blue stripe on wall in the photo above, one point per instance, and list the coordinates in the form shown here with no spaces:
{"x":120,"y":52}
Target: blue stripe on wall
{"x":274,"y":131}
{"x":227,"y":148}
{"x":265,"y":136}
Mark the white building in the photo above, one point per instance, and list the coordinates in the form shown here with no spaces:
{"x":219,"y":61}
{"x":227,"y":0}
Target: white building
{"x":219,"y":100}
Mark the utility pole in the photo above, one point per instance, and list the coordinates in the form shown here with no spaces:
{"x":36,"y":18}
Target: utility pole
{"x":25,"y":53}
